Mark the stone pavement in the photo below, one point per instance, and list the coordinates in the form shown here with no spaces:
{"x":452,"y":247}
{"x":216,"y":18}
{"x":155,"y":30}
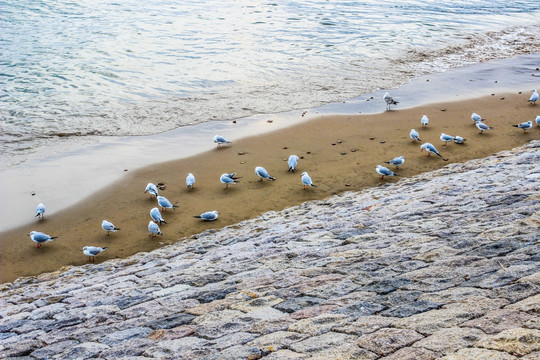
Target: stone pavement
{"x":443,"y":265}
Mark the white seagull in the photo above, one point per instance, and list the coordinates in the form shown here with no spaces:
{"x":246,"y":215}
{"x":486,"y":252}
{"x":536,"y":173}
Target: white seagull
{"x":306,"y":180}
{"x":208,"y":216}
{"x":40,"y":238}
{"x":424,"y":121}
{"x":524,"y":125}
{"x":397,"y":161}
{"x":482,"y":127}
{"x":229,"y":179}
{"x":153,"y":228}
{"x":156,"y":216}
{"x":430,"y":149}
{"x":108,"y":227}
{"x":446,"y":138}
{"x":190,"y":181}
{"x":92,"y":251}
{"x":381,"y":170}
{"x":389,"y":101}
{"x":537,"y":120}
{"x":165,"y":203}
{"x":476,"y":118}
{"x":263,"y":174}
{"x":534,"y":97}
{"x":414,"y":135}
{"x":151,"y":189}
{"x":220,"y":140}
{"x":40,"y":211}
{"x":459,"y":140}
{"x":293,"y":161}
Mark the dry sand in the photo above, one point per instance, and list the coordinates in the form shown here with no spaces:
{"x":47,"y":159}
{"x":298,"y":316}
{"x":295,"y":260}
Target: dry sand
{"x":339,"y":152}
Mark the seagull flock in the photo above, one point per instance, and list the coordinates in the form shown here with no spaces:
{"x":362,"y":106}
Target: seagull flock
{"x":227,"y":179}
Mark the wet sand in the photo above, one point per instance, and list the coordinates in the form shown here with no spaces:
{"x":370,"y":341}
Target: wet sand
{"x":340,"y":153}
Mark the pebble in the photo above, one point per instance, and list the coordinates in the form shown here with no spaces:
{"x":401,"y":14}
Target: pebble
{"x":324,"y":280}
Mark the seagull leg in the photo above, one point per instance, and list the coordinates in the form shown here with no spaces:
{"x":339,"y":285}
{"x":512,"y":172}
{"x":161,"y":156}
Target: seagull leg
{"x":382,"y":177}
{"x":38,"y":246}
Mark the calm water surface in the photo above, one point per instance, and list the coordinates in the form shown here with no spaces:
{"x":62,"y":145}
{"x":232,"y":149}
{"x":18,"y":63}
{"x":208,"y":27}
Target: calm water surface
{"x":71,"y":70}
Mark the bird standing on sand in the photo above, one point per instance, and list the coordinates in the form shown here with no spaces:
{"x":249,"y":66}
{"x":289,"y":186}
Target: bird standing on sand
{"x":40,"y":211}
{"x":524,"y":125}
{"x":293,"y":161}
{"x":534,"y":97}
{"x":459,"y":140}
{"x":446,"y":138}
{"x":229,"y":179}
{"x":153,"y":228}
{"x":108,"y":227}
{"x":263,"y":174}
{"x":208,"y":216}
{"x":220,"y":140}
{"x":381,"y":170}
{"x":424,"y":121}
{"x":482,"y":127}
{"x":92,"y":251}
{"x":537,"y":120}
{"x":165,"y":203}
{"x":430,"y":149}
{"x":397,"y":161}
{"x":40,"y":238}
{"x":414,"y":135}
{"x":306,"y":180}
{"x":190,"y":181}
{"x":151,"y":188}
{"x":156,"y":216}
{"x":476,"y":118}
{"x":389,"y":101}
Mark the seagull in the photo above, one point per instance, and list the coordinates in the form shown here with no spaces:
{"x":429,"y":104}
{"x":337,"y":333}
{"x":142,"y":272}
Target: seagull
{"x":208,"y":216}
{"x":40,"y":211}
{"x":306,"y":180}
{"x":537,"y":120}
{"x":534,"y":97}
{"x":424,"y":121}
{"x":156,"y":215}
{"x":414,"y":135}
{"x":524,"y":125}
{"x":108,"y":227}
{"x":397,"y":161}
{"x":153,"y":228}
{"x":262,"y":173}
{"x":446,"y":138}
{"x":220,"y":140}
{"x":482,"y":127}
{"x":229,"y":179}
{"x":40,"y":238}
{"x":389,"y":101}
{"x":430,"y":149}
{"x":381,"y":170}
{"x":151,"y":189}
{"x":293,"y":161}
{"x":459,"y":140}
{"x":165,"y":203}
{"x":476,"y":118}
{"x":92,"y":251}
{"x":190,"y":180}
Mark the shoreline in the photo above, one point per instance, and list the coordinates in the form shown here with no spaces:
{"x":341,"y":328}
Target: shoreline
{"x":319,"y":141}
{"x":62,"y":177}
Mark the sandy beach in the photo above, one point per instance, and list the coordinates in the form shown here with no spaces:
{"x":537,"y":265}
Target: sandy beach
{"x":339,"y":152}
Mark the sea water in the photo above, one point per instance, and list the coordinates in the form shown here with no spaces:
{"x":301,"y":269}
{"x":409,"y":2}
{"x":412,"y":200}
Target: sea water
{"x":72,"y":71}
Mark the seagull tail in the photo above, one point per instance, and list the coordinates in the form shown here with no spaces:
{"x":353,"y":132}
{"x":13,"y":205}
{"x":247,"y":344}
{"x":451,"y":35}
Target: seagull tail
{"x":395,"y":102}
{"x":290,"y":169}
{"x":117,"y":228}
{"x":197,"y":216}
{"x":105,"y":248}
{"x":174,"y":206}
{"x":271,"y":178}
{"x":162,"y":222}
{"x":388,"y":162}
{"x":37,"y":215}
{"x":515,"y":125}
{"x":313,"y":185}
{"x":439,"y":155}
{"x":54,"y":237}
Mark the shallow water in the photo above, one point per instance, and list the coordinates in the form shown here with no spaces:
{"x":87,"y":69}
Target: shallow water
{"x":74,"y":71}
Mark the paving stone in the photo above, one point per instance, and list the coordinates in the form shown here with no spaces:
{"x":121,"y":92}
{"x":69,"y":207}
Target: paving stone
{"x":124,"y":335}
{"x":366,"y":325}
{"x":316,"y":344}
{"x":499,"y":320}
{"x":319,"y":324}
{"x":277,"y":340}
{"x":517,"y":341}
{"x":413,"y":353}
{"x":449,"y":340}
{"x":385,"y":341}
{"x":478,"y":354}
{"x":285,"y":355}
{"x":51,"y":350}
{"x":85,"y":350}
